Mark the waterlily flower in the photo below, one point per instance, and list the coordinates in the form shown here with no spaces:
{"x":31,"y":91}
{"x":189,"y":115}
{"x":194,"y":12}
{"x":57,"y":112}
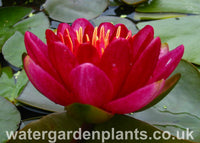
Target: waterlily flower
{"x":105,"y":66}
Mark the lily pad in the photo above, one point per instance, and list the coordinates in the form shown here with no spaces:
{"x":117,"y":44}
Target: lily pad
{"x":69,"y":10}
{"x":177,"y":6}
{"x":11,"y":85}
{"x":155,"y":16}
{"x":177,"y":31}
{"x":8,"y":17}
{"x":179,"y":110}
{"x":109,"y":132}
{"x":115,"y":20}
{"x":14,"y":46}
{"x":9,"y":118}
{"x":34,"y":98}
{"x":133,"y":2}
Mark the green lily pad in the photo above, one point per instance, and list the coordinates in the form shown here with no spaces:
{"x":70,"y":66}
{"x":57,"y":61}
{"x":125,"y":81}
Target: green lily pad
{"x":9,"y":119}
{"x":11,"y":85}
{"x":155,"y":16}
{"x":14,"y":46}
{"x":33,"y":97}
{"x":8,"y":17}
{"x":68,"y":10}
{"x":133,"y":2}
{"x":115,"y":20}
{"x":12,"y":51}
{"x":179,"y":110}
{"x":177,"y":6}
{"x":110,"y":131}
{"x":177,"y":31}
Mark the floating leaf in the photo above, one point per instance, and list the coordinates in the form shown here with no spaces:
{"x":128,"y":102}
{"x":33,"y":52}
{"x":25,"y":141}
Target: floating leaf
{"x":9,"y":118}
{"x":70,"y":10}
{"x":10,"y":85}
{"x":14,"y":46}
{"x":177,"y":31}
{"x":155,"y":16}
{"x":115,"y":20}
{"x":177,"y":6}
{"x":8,"y":17}
{"x":133,"y":2}
{"x":33,"y":97}
{"x":179,"y":110}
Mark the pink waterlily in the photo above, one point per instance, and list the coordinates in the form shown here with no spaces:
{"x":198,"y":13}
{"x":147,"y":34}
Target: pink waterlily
{"x":103,"y":66}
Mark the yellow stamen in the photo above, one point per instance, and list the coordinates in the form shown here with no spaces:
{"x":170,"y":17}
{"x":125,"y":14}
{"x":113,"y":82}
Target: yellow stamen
{"x":129,"y":35}
{"x":79,"y":35}
{"x":102,"y":33}
{"x":94,"y":36}
{"x":87,"y":38}
{"x":69,"y":39}
{"x":118,"y":32}
{"x":106,"y":40}
{"x":102,"y":50}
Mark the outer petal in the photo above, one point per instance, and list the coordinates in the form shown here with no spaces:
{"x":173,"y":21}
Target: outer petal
{"x":164,"y":50}
{"x":88,"y":53}
{"x":135,"y":100}
{"x":45,"y":83}
{"x":90,"y":85}
{"x":115,"y":62}
{"x":167,"y":64}
{"x":143,"y":68}
{"x":141,"y":41}
{"x":63,"y":59}
{"x":38,"y":52}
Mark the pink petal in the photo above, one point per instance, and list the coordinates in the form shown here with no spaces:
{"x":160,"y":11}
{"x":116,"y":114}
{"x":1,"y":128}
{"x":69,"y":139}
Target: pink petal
{"x":136,"y":100}
{"x":45,"y":83}
{"x":51,"y":37}
{"x":143,"y":68}
{"x":167,"y":64}
{"x":63,"y":60}
{"x":88,"y":53}
{"x":141,"y":41}
{"x":62,"y":27}
{"x":164,"y":50}
{"x":115,"y":62}
{"x":84,"y":23}
{"x":107,"y":26}
{"x":38,"y":52}
{"x":90,"y":85}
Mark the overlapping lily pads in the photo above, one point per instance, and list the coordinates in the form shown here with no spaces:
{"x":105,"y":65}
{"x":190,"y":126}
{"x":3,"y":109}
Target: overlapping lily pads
{"x":69,"y":10}
{"x":178,"y":111}
{"x":177,"y":31}
{"x":177,"y":6}
{"x":133,"y":2}
{"x":9,"y":119}
{"x":11,"y":85}
{"x":14,"y":46}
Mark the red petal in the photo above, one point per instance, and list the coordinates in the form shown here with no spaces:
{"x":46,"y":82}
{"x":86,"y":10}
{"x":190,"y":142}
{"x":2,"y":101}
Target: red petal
{"x":115,"y":62}
{"x":36,"y":49}
{"x":167,"y":64}
{"x":135,"y":100}
{"x":87,"y":53}
{"x":141,"y":41}
{"x":63,"y":60}
{"x":90,"y":85}
{"x":143,"y":68}
{"x":107,"y":26}
{"x":62,"y":27}
{"x":84,"y":23}
{"x":45,"y":83}
{"x":51,"y":37}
